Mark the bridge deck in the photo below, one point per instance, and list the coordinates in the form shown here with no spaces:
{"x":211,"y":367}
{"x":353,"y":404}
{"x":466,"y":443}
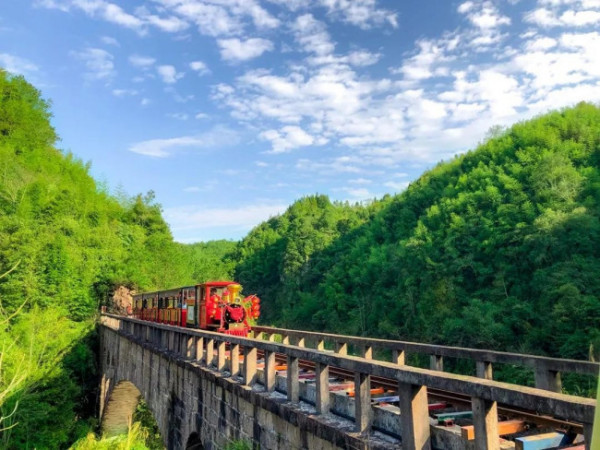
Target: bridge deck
{"x":412,"y":383}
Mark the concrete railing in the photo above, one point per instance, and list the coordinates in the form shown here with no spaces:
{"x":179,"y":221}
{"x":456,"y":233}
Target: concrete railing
{"x":547,"y":371}
{"x":413,"y":382}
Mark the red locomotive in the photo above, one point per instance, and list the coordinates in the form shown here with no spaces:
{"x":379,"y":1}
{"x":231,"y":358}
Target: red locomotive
{"x":214,"y":306}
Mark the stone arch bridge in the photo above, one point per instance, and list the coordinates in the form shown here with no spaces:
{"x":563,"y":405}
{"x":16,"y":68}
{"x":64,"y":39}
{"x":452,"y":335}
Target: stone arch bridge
{"x":205,"y":390}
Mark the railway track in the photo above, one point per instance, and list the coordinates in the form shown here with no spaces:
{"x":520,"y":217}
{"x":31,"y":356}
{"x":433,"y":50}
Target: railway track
{"x":455,"y":399}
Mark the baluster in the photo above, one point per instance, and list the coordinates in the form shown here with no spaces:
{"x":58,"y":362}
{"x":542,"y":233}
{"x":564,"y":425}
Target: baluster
{"x":235,"y":359}
{"x":362,"y":402}
{"x":549,"y":380}
{"x":399,"y":357}
{"x":189,"y":347}
{"x":249,"y":365}
{"x":269,"y":371}
{"x":199,"y":348}
{"x":436,"y":363}
{"x":484,"y":370}
{"x":485,"y":421}
{"x":367,"y":351}
{"x":220,"y":356}
{"x":293,"y":385}
{"x":414,"y":417}
{"x":208,"y":360}
{"x":322,"y":377}
{"x":321,"y":344}
{"x":341,"y":348}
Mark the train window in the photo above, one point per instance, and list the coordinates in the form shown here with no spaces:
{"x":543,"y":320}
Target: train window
{"x":144,"y":303}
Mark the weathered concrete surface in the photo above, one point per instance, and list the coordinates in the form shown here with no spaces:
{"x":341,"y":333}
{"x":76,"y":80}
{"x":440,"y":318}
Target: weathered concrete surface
{"x":197,"y":406}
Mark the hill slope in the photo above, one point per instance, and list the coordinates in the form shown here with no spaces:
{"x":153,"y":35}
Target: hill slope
{"x":498,"y":248}
{"x":65,"y":243}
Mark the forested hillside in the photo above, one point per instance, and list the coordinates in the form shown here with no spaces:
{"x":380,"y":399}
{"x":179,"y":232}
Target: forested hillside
{"x":65,"y":244}
{"x":498,"y":248}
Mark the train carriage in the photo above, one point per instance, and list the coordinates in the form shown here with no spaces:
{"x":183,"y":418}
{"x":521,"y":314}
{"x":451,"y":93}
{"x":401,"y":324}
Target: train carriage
{"x":214,"y":305}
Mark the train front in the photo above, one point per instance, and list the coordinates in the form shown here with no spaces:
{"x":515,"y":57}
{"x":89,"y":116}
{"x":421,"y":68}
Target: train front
{"x":229,"y":311}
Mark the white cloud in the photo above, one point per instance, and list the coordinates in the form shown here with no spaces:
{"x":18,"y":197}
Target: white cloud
{"x":124,"y":92}
{"x":110,"y":41}
{"x":397,"y":186}
{"x":169,"y":74}
{"x":287,"y":138}
{"x":162,"y":148}
{"x":235,"y":49}
{"x":17,"y":65}
{"x":198,"y":217}
{"x":99,"y":63}
{"x":200,"y":67}
{"x":362,"y":13}
{"x":141,"y":61}
{"x":179,"y":116}
{"x":171,"y":24}
{"x":312,"y":35}
{"x":201,"y":116}
{"x":360,"y":181}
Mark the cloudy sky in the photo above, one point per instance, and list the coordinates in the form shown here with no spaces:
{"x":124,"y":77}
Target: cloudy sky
{"x":232,"y":109}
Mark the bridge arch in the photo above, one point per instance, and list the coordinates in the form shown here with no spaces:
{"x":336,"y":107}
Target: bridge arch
{"x":194,"y":442}
{"x":123,"y":399}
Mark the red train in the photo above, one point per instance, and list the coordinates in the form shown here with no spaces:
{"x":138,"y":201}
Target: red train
{"x":214,"y":305}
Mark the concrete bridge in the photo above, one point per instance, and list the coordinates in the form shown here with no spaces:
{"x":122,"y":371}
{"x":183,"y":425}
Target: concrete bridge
{"x":206,"y":389}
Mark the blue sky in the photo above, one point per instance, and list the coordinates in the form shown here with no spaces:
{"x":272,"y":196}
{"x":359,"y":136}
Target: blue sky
{"x":232,"y":109}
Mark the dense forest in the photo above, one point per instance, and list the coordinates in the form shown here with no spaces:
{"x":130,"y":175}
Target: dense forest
{"x":498,"y":248}
{"x":65,"y":244}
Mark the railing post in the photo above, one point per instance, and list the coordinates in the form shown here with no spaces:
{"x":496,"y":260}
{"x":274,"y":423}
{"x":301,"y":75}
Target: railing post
{"x":485,"y":421}
{"x":249,"y":365}
{"x":484,"y":370}
{"x":164,"y":339}
{"x":548,"y":380}
{"x":221,"y":356}
{"x":171,"y":344}
{"x":341,"y":348}
{"x":293,"y":385}
{"x":399,"y":357}
{"x":321,"y":344}
{"x":208,"y":360}
{"x":182,"y":344}
{"x":414,"y":417}
{"x":234,"y":353}
{"x":300,"y":342}
{"x":199,"y":348}
{"x":367,"y":351}
{"x":269,"y":371}
{"x":285,"y":339}
{"x":322,"y":378}
{"x":189,"y":347}
{"x":436,"y":363}
{"x":362,"y":402}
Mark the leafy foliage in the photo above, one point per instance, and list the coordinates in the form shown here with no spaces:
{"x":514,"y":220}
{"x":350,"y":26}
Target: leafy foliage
{"x":69,"y":243}
{"x":498,"y":248}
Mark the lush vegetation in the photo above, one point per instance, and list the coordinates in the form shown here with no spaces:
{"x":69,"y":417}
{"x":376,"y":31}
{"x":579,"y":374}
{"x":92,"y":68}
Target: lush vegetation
{"x":65,"y":244}
{"x":498,"y":248}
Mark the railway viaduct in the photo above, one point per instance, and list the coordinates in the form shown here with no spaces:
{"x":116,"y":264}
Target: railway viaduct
{"x":206,"y":389}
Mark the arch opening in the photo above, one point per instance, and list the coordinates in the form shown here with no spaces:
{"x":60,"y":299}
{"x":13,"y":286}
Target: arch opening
{"x":118,"y":413}
{"x":194,"y":442}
